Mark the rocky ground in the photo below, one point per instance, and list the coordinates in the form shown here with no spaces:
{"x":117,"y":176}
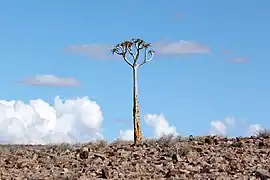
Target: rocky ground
{"x":165,"y":158}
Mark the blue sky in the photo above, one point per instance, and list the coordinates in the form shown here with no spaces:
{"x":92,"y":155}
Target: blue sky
{"x":190,"y":90}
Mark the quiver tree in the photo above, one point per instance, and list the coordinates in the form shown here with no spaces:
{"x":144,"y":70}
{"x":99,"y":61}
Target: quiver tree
{"x":131,"y":50}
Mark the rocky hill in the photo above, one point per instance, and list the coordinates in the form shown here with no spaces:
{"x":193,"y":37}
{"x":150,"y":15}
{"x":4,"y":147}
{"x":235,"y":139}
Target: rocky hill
{"x":190,"y":158}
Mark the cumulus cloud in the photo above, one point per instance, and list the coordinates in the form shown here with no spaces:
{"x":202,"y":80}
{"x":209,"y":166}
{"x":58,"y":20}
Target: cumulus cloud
{"x":218,"y":128}
{"x":102,"y":51}
{"x":157,"y":122}
{"x":50,"y":80}
{"x":70,"y":121}
{"x":230,"y":121}
{"x":253,"y":129}
{"x":160,"y":125}
{"x":221,"y":127}
{"x":127,"y":135}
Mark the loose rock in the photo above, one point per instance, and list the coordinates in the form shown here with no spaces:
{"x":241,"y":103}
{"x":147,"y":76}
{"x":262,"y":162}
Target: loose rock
{"x":194,"y":158}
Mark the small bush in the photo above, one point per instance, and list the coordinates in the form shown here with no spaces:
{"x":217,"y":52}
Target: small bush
{"x":169,"y":139}
{"x":265,"y":133}
{"x":101,"y":143}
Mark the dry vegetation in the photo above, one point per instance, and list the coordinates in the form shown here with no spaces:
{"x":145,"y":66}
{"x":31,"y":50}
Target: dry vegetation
{"x":208,"y":157}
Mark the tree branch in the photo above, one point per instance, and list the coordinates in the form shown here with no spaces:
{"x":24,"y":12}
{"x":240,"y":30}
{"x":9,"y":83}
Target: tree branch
{"x":126,"y":47}
{"x":122,"y":53}
{"x":124,"y":50}
{"x":137,"y":54}
{"x":138,"y":48}
{"x":137,"y":43}
{"x":130,"y":51}
{"x":127,"y":61}
{"x":146,"y":60}
{"x":116,"y":50}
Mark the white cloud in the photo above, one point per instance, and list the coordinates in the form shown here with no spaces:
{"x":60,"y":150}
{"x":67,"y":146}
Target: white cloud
{"x":50,"y":80}
{"x":127,"y":135}
{"x":74,"y":120}
{"x":102,"y":51}
{"x":160,"y":125}
{"x":254,"y":128}
{"x":218,"y":128}
{"x":180,"y":47}
{"x":157,"y":122}
{"x":93,"y":50}
{"x":221,"y":127}
{"x":230,"y":121}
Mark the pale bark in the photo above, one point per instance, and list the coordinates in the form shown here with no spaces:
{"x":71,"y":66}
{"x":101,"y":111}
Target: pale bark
{"x":122,"y":49}
{"x":136,"y":111}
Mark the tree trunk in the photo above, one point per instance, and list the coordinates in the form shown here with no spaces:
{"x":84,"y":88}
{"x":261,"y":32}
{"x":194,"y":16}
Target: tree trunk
{"x":136,"y":110}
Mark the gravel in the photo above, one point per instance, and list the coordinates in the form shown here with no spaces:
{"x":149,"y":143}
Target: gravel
{"x":208,"y":157}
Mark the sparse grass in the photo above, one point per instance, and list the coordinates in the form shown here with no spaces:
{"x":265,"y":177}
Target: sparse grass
{"x":119,"y":141}
{"x":169,"y":139}
{"x":102,"y":143}
{"x":165,"y":141}
{"x":265,"y":133}
{"x":62,"y":146}
{"x":167,"y":157}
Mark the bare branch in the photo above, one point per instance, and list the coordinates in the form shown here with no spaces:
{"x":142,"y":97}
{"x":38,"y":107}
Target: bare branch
{"x":138,"y":45}
{"x":121,"y":49}
{"x":116,"y":50}
{"x":147,"y":59}
{"x":146,"y":45}
{"x":137,"y":54}
{"x":130,"y":52}
{"x":127,"y":46}
{"x":124,"y":46}
{"x":127,"y":61}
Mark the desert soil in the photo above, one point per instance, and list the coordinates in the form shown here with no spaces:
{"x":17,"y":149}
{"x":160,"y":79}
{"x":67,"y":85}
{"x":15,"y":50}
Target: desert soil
{"x":208,"y":157}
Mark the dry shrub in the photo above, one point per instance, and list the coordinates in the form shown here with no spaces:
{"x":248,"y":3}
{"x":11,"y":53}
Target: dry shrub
{"x":169,"y":139}
{"x":265,"y":133}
